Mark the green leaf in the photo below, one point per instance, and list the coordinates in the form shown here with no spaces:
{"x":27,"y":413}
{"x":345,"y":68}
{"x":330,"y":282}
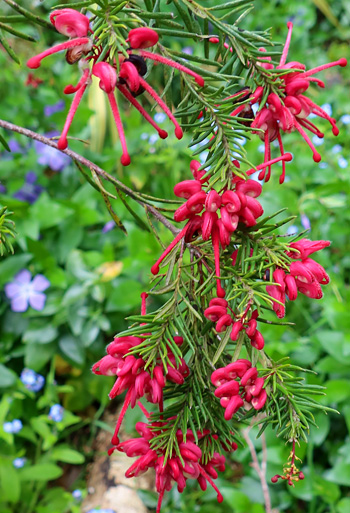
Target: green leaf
{"x":4,"y":143}
{"x":10,"y":485}
{"x":11,"y":266}
{"x":40,"y":333}
{"x":37,"y":355}
{"x":41,"y":472}
{"x":7,"y":377}
{"x":67,"y":455}
{"x":339,"y":474}
{"x":125,"y":296}
{"x":49,"y":212}
{"x":72,"y":348}
{"x":343,"y":505}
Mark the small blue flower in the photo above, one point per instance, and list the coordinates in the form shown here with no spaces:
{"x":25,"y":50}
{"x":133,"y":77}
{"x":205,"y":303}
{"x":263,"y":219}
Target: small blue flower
{"x":108,"y":226}
{"x":32,"y":380}
{"x":323,"y":165}
{"x":292,"y":230}
{"x":30,"y":191}
{"x":19,"y":462}
{"x":8,"y":427}
{"x":16,"y":425}
{"x":56,"y":413}
{"x":24,"y":292}
{"x":327,"y":107}
{"x":49,"y":156}
{"x":144,"y":136}
{"x":261,"y":148}
{"x":345,"y":119}
{"x":188,"y":50}
{"x":337,"y":148}
{"x":159,"y":117}
{"x":343,"y":163}
{"x":153,"y":138}
{"x":77,"y":495}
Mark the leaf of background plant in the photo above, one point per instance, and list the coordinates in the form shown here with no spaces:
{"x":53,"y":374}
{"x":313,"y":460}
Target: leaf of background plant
{"x":7,"y":377}
{"x":41,"y":472}
{"x":10,"y":485}
{"x":67,"y":455}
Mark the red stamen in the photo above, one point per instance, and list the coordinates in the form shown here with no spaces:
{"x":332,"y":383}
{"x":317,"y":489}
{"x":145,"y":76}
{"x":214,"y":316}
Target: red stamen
{"x":144,"y":296}
{"x":179,"y":236}
{"x":316,"y":156}
{"x":69,"y":89}
{"x":310,"y":126}
{"x":286,"y":157}
{"x":151,"y":92}
{"x":283,"y":175}
{"x":216,"y":240}
{"x":341,"y":62}
{"x":34,"y":62}
{"x":173,"y":64}
{"x":125,"y":158}
{"x":323,"y":114}
{"x":211,"y":482}
{"x":160,"y":500}
{"x":162,"y":133}
{"x":115,"y":439}
{"x":238,"y":110}
{"x":143,"y":409}
{"x":62,"y":142}
{"x":266,"y":154}
{"x":287,"y":43}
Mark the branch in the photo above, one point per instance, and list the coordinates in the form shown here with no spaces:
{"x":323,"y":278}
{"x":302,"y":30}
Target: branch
{"x":85,"y":162}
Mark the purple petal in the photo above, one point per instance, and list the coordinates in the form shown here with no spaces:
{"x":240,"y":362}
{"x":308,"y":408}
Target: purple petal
{"x":40,"y":283}
{"x":19,"y":304}
{"x":37,"y":300}
{"x":31,"y":177}
{"x":12,"y":290}
{"x":23,"y":276}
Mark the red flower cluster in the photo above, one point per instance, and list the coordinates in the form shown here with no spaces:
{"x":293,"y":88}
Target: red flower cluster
{"x":233,"y":393}
{"x":288,"y":109}
{"x":129,"y":81}
{"x":305,"y":275}
{"x":173,"y":469}
{"x":132,"y":375}
{"x":217,"y":312}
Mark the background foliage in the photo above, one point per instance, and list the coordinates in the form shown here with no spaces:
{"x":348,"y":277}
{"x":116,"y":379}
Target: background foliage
{"x":97,"y":276}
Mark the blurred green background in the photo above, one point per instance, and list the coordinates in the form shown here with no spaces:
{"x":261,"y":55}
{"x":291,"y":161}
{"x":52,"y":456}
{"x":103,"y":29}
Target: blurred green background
{"x":97,"y":273}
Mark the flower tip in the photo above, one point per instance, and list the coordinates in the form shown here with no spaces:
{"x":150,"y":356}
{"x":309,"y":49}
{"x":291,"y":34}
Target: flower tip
{"x":335,"y":130}
{"x":155,"y":269}
{"x":115,"y":439}
{"x":69,"y":89}
{"x":288,"y":157}
{"x":163,"y":134}
{"x":220,"y":497}
{"x":125,"y":160}
{"x":200,"y":81}
{"x":33,"y":63}
{"x":274,"y":479}
{"x":220,"y":292}
{"x":289,"y":25}
{"x":178,"y":132}
{"x":62,"y":143}
{"x":317,"y":157}
{"x":343,"y":62}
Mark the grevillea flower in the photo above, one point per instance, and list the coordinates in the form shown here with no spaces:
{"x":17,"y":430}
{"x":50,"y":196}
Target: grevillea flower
{"x":129,"y":81}
{"x":236,"y":383}
{"x":288,"y":109}
{"x":215,"y":216}
{"x":133,"y":377}
{"x":305,"y":275}
{"x":173,"y":469}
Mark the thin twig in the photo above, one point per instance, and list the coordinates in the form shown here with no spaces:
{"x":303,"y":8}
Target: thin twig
{"x":260,"y":470}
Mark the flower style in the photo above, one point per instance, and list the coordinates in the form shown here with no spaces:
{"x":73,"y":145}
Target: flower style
{"x":24,"y":292}
{"x":191,"y":465}
{"x":235,"y":206}
{"x":305,"y":275}
{"x":288,"y":109}
{"x":233,"y":393}
{"x":129,"y":80}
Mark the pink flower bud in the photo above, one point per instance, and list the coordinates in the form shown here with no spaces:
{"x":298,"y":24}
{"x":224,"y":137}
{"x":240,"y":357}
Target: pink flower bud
{"x":182,"y":213}
{"x":258,"y":402}
{"x":251,"y":328}
{"x":235,"y":403}
{"x":317,"y":270}
{"x":258,"y":341}
{"x":236,"y":328}
{"x":227,"y":389}
{"x":70,"y":23}
{"x":209,"y":220}
{"x":223,"y":323}
{"x":224,"y":234}
{"x":231,"y":201}
{"x":229,"y":220}
{"x":187,"y":188}
{"x":279,"y":277}
{"x":213,"y":201}
{"x":217,"y":301}
{"x":107,"y":75}
{"x":214,"y":312}
{"x":142,"y":37}
{"x":254,"y":206}
{"x":194,"y":167}
{"x":129,"y":74}
{"x":301,"y":272}
{"x":312,"y":290}
{"x":306,"y":247}
{"x":249,"y":188}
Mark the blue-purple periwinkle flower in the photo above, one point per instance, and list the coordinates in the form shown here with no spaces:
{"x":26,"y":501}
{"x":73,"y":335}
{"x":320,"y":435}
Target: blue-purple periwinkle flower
{"x":159,"y":117}
{"x":2,"y":189}
{"x":19,"y":462}
{"x":49,"y":156}
{"x":14,"y":146}
{"x":77,"y":495}
{"x":342,"y":162}
{"x":14,"y":426}
{"x":56,"y":413}
{"x":305,"y":221}
{"x":108,"y":226}
{"x":30,"y":191}
{"x":24,"y":292}
{"x":345,"y":119}
{"x":31,"y":380}
{"x":49,"y":110}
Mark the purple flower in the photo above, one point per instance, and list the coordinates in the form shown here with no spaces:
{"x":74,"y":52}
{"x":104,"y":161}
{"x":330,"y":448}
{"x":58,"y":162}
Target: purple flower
{"x":305,"y":221}
{"x":52,"y":109}
{"x":32,"y":380}
{"x":108,"y":227}
{"x":49,"y":156}
{"x":2,"y":189}
{"x":23,"y":291}
{"x":19,"y":462}
{"x":56,"y":413}
{"x":14,"y":146}
{"x":77,"y":495}
{"x":30,"y":191}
